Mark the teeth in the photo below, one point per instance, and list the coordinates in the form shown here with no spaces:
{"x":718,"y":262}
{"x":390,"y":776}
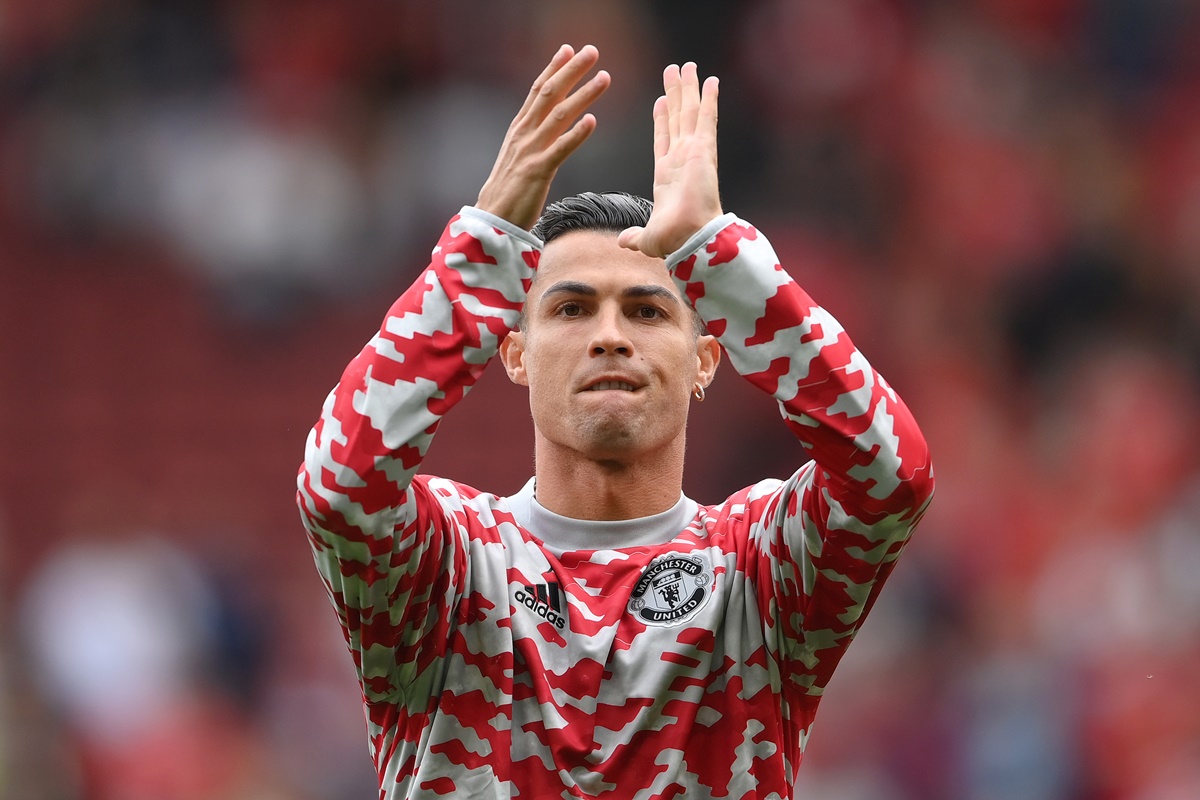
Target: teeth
{"x":622,"y":385}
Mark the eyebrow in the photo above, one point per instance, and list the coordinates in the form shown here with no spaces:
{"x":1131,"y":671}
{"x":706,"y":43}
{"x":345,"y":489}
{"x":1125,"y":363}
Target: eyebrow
{"x":587,"y":290}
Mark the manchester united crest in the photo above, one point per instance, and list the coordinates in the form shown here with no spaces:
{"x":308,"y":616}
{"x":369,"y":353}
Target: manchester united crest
{"x":672,"y":589}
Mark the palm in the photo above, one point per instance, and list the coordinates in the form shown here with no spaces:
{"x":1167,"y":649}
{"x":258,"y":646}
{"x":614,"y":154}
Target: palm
{"x":686,"y":191}
{"x":547,"y":129}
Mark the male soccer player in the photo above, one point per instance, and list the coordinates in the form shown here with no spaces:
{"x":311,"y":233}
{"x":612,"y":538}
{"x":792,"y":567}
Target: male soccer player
{"x":599,"y":634}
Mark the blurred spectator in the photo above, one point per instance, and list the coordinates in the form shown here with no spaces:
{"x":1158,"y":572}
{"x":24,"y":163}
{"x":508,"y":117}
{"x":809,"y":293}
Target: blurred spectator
{"x":267,"y":213}
{"x":118,"y":632}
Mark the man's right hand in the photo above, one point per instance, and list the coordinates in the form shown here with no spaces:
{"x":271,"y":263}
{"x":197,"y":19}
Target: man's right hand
{"x":544,"y":133}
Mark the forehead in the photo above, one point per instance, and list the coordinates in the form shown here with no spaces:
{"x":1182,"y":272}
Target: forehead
{"x":593,"y":257}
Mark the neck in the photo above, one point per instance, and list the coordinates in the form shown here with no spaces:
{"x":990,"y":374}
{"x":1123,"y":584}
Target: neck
{"x":590,"y":487}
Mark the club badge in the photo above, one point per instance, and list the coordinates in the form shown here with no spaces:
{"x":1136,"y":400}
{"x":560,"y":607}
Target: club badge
{"x":672,"y":589}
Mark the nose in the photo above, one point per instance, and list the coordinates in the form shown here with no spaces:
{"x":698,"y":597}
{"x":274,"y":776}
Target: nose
{"x":610,"y":336}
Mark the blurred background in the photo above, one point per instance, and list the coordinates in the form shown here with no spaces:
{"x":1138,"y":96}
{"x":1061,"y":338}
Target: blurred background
{"x":206,"y":207}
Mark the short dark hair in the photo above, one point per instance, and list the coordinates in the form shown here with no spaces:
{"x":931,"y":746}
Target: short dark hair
{"x":596,"y":211}
{"x":592,"y":211}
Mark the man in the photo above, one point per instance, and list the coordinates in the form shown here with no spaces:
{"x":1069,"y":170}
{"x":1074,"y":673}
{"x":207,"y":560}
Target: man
{"x":599,"y":633}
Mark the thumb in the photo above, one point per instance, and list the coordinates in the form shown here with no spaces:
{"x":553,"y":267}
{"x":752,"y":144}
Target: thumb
{"x":630,"y":238}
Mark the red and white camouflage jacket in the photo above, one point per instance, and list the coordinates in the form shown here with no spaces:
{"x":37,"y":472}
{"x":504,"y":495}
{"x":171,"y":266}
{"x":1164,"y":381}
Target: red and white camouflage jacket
{"x":504,"y":651}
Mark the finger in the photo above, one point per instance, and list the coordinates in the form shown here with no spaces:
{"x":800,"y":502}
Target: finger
{"x":689,"y":98}
{"x":559,"y":84}
{"x":630,"y":237}
{"x":672,"y":87}
{"x":562,"y":56}
{"x":706,"y":123}
{"x":570,"y":141}
{"x":662,"y":135}
{"x":570,"y":108}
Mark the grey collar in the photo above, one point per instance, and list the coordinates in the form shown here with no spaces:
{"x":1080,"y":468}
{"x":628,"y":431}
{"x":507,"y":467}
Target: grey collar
{"x":562,"y":534}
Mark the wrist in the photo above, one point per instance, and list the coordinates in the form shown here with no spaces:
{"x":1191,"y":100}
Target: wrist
{"x":500,"y":223}
{"x":699,"y":238}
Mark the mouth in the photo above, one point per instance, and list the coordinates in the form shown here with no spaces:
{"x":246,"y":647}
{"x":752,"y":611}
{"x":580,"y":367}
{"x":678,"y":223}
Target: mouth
{"x":619,"y":386}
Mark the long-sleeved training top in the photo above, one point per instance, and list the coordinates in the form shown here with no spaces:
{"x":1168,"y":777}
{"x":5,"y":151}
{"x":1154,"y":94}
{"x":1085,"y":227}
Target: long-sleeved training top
{"x":506,"y":651}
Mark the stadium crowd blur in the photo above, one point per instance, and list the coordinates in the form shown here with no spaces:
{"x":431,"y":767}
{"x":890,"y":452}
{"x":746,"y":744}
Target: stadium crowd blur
{"x":206,"y":207}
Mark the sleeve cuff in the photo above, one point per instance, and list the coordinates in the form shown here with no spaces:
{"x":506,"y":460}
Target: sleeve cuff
{"x":502,"y":224}
{"x":699,"y":238}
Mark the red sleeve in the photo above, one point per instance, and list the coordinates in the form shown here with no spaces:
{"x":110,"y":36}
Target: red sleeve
{"x":828,"y":537}
{"x":388,"y":548}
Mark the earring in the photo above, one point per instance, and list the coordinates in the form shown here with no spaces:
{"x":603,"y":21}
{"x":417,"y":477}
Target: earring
{"x":698,"y":393}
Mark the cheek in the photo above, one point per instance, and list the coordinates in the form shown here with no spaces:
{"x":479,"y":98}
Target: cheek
{"x":686,"y":365}
{"x":545,"y":371}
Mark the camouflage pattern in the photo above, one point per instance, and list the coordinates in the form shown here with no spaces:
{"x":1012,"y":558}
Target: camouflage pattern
{"x":492,"y":666}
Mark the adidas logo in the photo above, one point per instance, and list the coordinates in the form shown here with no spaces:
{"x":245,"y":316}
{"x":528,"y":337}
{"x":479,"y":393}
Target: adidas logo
{"x":545,"y":600}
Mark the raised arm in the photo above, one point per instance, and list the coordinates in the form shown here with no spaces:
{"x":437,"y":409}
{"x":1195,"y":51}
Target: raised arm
{"x":829,"y":535}
{"x":390,"y":556}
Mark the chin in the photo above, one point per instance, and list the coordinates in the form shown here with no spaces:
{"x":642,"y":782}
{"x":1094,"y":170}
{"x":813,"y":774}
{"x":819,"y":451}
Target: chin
{"x":609,"y":434}
{"x":614,"y":438}
{"x":625,"y":444}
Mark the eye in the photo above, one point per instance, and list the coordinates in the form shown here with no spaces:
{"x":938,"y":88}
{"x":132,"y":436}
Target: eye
{"x":570,"y":309}
{"x":649,"y":312}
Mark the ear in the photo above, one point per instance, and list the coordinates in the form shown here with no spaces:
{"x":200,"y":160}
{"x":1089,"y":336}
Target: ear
{"x":512,"y":353}
{"x":708,"y":356}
